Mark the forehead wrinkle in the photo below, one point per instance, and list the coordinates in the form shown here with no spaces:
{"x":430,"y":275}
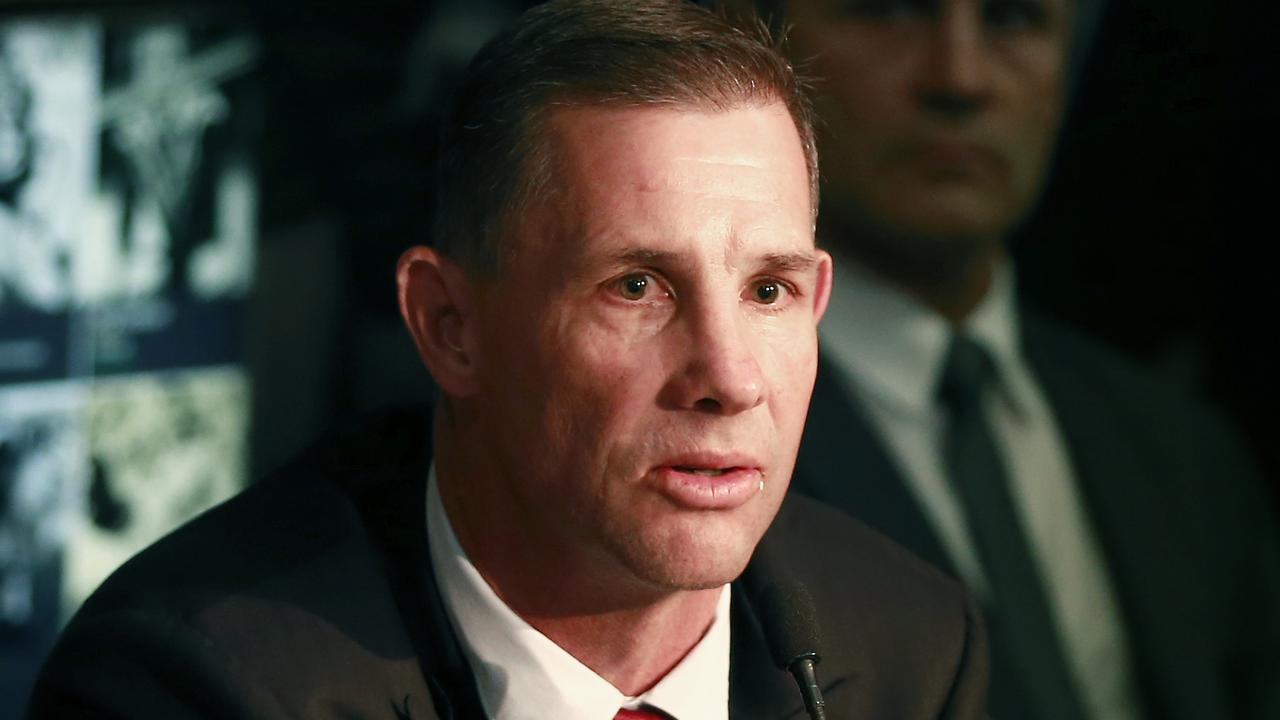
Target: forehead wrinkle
{"x":722,"y":162}
{"x":760,"y":188}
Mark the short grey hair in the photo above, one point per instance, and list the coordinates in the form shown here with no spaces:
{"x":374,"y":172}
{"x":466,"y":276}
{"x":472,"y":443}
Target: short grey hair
{"x":591,"y":52}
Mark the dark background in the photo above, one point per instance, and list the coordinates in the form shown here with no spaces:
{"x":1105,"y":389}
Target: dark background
{"x":1155,"y":227}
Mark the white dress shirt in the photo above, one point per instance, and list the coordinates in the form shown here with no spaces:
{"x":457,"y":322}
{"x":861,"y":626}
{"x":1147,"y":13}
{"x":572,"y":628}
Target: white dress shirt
{"x":523,"y":675}
{"x":889,"y":350}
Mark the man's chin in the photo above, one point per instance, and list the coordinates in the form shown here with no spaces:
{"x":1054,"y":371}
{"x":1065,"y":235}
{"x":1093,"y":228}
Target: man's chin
{"x":929,"y":214}
{"x":949,"y":214}
{"x":686,"y":561}
{"x":932,"y":240}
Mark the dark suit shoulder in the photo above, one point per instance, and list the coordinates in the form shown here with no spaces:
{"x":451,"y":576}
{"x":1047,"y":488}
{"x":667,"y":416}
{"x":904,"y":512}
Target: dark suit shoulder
{"x":1177,"y":438}
{"x":912,"y":633}
{"x":318,"y":506}
{"x":1165,"y":476}
{"x":274,"y":601}
{"x":855,"y":560}
{"x":1058,"y":348}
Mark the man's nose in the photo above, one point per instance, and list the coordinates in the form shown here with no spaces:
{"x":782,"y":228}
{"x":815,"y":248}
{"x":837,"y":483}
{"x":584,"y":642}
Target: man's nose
{"x":719,"y":372}
{"x":955,"y":71}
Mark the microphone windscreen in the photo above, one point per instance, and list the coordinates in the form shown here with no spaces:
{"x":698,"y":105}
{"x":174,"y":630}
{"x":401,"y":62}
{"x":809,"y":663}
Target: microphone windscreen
{"x":789,"y":620}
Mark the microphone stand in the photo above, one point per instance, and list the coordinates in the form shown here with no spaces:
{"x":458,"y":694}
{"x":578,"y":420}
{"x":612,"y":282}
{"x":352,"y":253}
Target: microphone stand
{"x":804,"y":668}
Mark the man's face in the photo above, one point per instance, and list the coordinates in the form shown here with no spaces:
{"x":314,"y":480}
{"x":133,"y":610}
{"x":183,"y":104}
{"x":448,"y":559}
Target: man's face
{"x":940,"y":115}
{"x":650,"y":345}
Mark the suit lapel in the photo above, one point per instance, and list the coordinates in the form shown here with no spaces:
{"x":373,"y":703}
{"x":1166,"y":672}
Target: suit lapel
{"x":758,"y":689}
{"x":387,"y":482}
{"x":842,"y":462}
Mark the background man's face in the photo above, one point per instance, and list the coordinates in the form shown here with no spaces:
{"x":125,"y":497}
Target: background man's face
{"x":650,"y":346}
{"x":939,"y":115}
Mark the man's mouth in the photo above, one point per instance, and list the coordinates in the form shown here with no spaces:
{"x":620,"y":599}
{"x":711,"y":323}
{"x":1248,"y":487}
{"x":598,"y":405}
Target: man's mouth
{"x":710,"y":483}
{"x":709,"y":472}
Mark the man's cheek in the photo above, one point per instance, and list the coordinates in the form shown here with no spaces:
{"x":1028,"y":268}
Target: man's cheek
{"x":789,"y":339}
{"x":792,"y":368}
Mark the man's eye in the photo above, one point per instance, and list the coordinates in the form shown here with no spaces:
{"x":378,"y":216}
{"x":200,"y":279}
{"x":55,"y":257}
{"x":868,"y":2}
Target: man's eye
{"x":768,"y":292}
{"x":636,"y":286}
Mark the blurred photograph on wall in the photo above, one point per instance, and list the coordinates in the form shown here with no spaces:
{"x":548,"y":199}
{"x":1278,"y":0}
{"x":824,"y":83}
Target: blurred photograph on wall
{"x":167,"y":257}
{"x":49,"y":88}
{"x":128,"y":216}
{"x":162,"y":448}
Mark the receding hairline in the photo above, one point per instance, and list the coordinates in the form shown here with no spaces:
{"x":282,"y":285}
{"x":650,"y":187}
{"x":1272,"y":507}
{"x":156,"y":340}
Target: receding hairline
{"x":597,"y":54}
{"x":543,"y":157}
{"x":556,"y":117}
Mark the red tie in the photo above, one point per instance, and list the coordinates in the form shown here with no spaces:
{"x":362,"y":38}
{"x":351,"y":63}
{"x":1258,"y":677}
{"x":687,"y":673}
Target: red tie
{"x":642,"y":714}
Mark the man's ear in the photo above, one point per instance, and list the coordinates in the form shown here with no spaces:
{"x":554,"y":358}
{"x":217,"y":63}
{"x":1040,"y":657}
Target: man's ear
{"x":437,"y":302}
{"x":822,"y":288}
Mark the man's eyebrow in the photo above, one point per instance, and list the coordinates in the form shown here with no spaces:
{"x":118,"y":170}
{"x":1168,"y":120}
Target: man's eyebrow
{"x":794,"y":262}
{"x":799,"y":262}
{"x":640,"y":256}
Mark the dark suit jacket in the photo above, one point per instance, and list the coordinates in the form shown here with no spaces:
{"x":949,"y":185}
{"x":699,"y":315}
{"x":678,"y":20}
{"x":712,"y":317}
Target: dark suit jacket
{"x":310,"y":595}
{"x":1185,"y":527}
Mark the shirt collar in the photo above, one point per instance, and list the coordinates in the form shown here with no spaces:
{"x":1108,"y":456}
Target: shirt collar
{"x":895,"y":345}
{"x":520,"y":673}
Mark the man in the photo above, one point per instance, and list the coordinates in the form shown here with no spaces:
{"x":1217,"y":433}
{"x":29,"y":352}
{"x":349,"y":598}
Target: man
{"x":1112,"y":528}
{"x":621,"y":315}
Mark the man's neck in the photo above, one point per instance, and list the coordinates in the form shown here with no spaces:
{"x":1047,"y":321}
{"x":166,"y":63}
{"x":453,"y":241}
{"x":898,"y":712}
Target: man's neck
{"x":627,"y":631}
{"x":954,"y":295}
{"x":636,"y":647}
{"x":953,"y":287}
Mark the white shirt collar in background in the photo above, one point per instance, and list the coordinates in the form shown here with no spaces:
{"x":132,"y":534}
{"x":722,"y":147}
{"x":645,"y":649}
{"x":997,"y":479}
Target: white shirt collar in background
{"x":896,"y":345}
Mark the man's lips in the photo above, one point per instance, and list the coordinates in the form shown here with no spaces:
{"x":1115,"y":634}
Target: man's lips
{"x":956,"y":157}
{"x":709,"y":482}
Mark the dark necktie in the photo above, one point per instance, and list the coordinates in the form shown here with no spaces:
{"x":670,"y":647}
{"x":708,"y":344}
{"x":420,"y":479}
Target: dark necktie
{"x":1018,"y":610}
{"x":641,"y":714}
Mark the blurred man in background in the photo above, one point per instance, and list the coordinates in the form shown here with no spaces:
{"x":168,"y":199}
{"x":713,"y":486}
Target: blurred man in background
{"x":1113,"y":528}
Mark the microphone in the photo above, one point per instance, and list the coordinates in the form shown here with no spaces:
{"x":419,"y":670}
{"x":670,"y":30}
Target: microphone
{"x":790,"y":626}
